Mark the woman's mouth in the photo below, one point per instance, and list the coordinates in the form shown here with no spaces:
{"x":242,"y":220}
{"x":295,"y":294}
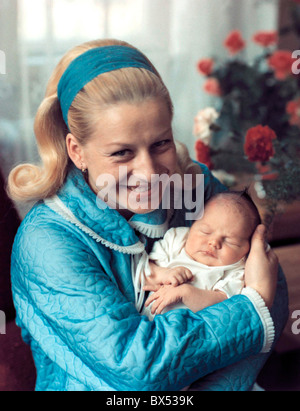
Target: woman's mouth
{"x":145,"y":189}
{"x":140,"y":188}
{"x":142,"y":196}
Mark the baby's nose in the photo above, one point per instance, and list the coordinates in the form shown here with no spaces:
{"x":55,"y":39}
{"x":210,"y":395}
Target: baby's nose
{"x":215,"y":242}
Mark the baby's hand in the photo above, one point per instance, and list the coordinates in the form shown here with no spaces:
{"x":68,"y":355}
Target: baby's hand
{"x":170,"y":276}
{"x":176,"y":276}
{"x":166,"y":295}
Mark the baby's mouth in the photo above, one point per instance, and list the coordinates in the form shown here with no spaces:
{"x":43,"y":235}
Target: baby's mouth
{"x":209,"y":253}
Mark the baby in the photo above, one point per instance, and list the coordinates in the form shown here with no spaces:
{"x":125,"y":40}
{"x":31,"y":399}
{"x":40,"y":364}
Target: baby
{"x":200,"y":266}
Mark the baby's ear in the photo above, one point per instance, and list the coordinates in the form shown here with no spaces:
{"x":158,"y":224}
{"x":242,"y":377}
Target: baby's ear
{"x":185,"y":164}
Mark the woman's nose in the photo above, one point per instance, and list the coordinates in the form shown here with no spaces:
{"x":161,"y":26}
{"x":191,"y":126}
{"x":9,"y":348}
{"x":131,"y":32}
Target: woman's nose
{"x":145,"y":166}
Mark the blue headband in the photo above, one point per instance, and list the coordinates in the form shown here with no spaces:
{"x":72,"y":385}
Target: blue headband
{"x":90,"y":64}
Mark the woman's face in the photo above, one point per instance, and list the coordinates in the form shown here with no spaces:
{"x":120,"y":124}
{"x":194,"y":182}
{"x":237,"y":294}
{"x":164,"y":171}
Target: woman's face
{"x":131,"y":144}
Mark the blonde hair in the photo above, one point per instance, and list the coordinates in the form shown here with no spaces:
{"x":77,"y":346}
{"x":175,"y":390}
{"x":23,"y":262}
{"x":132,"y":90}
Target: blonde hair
{"x":29,"y":182}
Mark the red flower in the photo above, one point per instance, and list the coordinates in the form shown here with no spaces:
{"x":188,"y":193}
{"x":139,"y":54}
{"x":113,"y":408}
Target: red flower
{"x":212,"y":86}
{"x":203,"y":154}
{"x":281,"y":62}
{"x":270,"y":176}
{"x":293,"y":109}
{"x":205,"y":66}
{"x":266,"y":172}
{"x":258,"y":144}
{"x":263,"y":168}
{"x":265,"y":38}
{"x":234,"y":42}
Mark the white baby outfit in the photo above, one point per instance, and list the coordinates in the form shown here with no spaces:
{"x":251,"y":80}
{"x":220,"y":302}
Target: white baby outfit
{"x":170,"y":252}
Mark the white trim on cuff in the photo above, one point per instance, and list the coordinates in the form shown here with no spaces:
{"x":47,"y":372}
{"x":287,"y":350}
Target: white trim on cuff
{"x":264,"y":315}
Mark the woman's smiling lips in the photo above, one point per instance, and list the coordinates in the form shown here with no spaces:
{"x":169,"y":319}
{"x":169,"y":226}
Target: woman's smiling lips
{"x":144,"y":190}
{"x":143,"y":195}
{"x":140,"y":188}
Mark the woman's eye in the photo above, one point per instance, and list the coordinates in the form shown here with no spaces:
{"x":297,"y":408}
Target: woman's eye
{"x":162,"y":143}
{"x":121,"y":153}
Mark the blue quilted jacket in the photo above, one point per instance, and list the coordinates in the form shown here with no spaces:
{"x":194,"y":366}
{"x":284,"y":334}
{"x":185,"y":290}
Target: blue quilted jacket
{"x":75,"y":303}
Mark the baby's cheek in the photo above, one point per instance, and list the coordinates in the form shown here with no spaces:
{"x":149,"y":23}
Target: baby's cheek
{"x":246,"y":249}
{"x":229,"y":255}
{"x":192,"y":244}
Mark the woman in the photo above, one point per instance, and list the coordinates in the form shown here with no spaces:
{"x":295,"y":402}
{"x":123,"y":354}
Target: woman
{"x":108,"y":113}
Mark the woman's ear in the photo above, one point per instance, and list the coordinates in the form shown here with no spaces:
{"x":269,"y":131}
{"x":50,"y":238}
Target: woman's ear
{"x":75,"y":151}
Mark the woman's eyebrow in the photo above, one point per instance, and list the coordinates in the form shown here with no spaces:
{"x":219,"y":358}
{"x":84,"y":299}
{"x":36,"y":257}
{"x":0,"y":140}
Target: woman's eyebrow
{"x":129,"y":145}
{"x":119,"y":144}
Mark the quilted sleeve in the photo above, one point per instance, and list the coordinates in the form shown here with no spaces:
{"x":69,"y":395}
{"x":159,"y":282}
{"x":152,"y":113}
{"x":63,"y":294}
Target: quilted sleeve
{"x":84,"y":324}
{"x":241,"y":376}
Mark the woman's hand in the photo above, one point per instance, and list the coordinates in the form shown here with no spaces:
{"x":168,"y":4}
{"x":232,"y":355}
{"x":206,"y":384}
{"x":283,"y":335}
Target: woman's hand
{"x":261,"y":267}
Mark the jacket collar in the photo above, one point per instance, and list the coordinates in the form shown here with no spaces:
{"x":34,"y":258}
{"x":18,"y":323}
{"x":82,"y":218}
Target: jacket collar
{"x":78,"y":204}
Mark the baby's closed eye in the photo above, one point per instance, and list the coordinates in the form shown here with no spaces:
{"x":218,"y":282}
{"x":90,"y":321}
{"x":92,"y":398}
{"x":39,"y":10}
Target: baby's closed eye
{"x":232,"y":242}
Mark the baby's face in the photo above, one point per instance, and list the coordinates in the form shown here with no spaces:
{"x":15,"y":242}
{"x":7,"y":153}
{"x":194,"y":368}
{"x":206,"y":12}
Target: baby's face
{"x":221,"y":237}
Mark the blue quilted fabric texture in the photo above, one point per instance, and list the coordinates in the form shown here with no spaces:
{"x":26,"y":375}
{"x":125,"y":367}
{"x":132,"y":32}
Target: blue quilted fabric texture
{"x":75,"y":305}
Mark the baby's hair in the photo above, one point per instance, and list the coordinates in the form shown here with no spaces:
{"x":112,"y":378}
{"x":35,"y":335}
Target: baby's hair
{"x":242,"y":198}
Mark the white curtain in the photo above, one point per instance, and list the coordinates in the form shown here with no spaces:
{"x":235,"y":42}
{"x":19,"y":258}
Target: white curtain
{"x":174,"y":34}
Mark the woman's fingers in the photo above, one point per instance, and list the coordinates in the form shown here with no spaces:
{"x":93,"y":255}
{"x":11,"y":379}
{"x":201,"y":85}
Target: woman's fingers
{"x":258,"y":239}
{"x":157,"y":306}
{"x":151,"y":298}
{"x":156,"y":300}
{"x":261,"y":267}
